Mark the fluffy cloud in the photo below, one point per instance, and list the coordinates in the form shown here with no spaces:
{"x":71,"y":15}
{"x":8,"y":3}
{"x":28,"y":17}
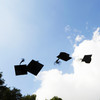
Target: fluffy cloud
{"x":83,"y":84}
{"x":67,"y":28}
{"x":79,"y":38}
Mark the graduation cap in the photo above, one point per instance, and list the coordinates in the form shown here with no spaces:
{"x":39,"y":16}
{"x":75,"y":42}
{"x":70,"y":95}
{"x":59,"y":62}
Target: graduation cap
{"x":34,"y":67}
{"x":63,"y":56}
{"x":20,"y":69}
{"x":87,"y":58}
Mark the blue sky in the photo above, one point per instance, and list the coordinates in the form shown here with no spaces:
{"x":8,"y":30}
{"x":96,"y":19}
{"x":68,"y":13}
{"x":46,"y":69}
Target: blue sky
{"x":35,"y":29}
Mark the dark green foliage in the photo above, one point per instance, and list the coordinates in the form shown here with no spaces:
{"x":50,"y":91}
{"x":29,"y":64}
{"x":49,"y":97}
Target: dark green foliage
{"x":29,"y":97}
{"x":6,"y":93}
{"x":56,"y":98}
{"x":1,"y":80}
{"x":12,"y":94}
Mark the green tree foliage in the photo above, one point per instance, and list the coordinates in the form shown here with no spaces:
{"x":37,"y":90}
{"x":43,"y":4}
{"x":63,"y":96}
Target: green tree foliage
{"x":56,"y":98}
{"x":6,"y":93}
{"x":12,"y":94}
{"x":29,"y":97}
{"x":1,"y":80}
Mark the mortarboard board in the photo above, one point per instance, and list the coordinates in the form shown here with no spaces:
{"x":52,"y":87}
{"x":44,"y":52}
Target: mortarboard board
{"x":20,"y":69}
{"x":63,"y":56}
{"x":34,"y":67}
{"x":87,"y":58}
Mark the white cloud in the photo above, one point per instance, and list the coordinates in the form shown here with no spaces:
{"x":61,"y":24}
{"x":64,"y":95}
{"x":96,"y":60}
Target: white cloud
{"x":67,"y":28}
{"x":83,"y":84}
{"x":72,"y":33}
{"x":76,"y":31}
{"x":96,"y":36}
{"x":79,"y":38}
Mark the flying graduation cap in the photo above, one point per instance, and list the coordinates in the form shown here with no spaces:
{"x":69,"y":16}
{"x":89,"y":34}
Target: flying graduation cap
{"x":63,"y":56}
{"x":20,"y":69}
{"x":33,"y":67}
{"x":87,"y":58}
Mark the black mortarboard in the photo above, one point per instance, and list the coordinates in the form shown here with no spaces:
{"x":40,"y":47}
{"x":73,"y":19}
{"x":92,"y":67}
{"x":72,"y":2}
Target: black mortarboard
{"x":63,"y":56}
{"x":34,"y":67}
{"x":20,"y":69}
{"x":87,"y":58}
